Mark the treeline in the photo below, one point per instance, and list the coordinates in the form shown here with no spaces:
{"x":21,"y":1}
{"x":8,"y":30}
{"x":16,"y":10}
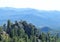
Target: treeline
{"x":24,"y":32}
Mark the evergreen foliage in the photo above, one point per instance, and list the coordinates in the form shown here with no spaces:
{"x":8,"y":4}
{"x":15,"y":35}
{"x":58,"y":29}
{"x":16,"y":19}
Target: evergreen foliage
{"x":24,"y":32}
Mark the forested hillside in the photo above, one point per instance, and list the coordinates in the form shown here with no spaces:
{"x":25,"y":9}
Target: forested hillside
{"x":21,"y":31}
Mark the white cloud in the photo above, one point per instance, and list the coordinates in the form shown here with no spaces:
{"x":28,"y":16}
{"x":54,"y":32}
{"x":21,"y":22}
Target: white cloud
{"x":37,"y":4}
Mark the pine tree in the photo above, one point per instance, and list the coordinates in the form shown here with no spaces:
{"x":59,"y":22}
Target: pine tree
{"x":8,"y":27}
{"x":34,"y":39}
{"x":4,"y":27}
{"x":48,"y":36}
{"x":1,"y":31}
{"x":26,"y":38}
{"x":21,"y":32}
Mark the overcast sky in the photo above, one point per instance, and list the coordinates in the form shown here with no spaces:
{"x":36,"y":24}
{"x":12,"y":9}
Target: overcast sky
{"x":36,"y":4}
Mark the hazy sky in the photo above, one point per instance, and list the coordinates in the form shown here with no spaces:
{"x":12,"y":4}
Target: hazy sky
{"x":36,"y":4}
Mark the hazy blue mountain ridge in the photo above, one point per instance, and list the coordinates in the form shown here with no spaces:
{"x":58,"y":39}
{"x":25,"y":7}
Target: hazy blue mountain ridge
{"x":37,"y":17}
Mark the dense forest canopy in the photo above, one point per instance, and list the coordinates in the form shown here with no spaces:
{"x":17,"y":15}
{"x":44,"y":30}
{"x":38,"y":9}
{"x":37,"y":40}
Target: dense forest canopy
{"x":24,"y":32}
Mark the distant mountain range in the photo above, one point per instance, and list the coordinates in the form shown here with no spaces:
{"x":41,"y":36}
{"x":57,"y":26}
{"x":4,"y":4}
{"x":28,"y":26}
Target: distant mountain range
{"x":46,"y":29}
{"x":37,"y":17}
